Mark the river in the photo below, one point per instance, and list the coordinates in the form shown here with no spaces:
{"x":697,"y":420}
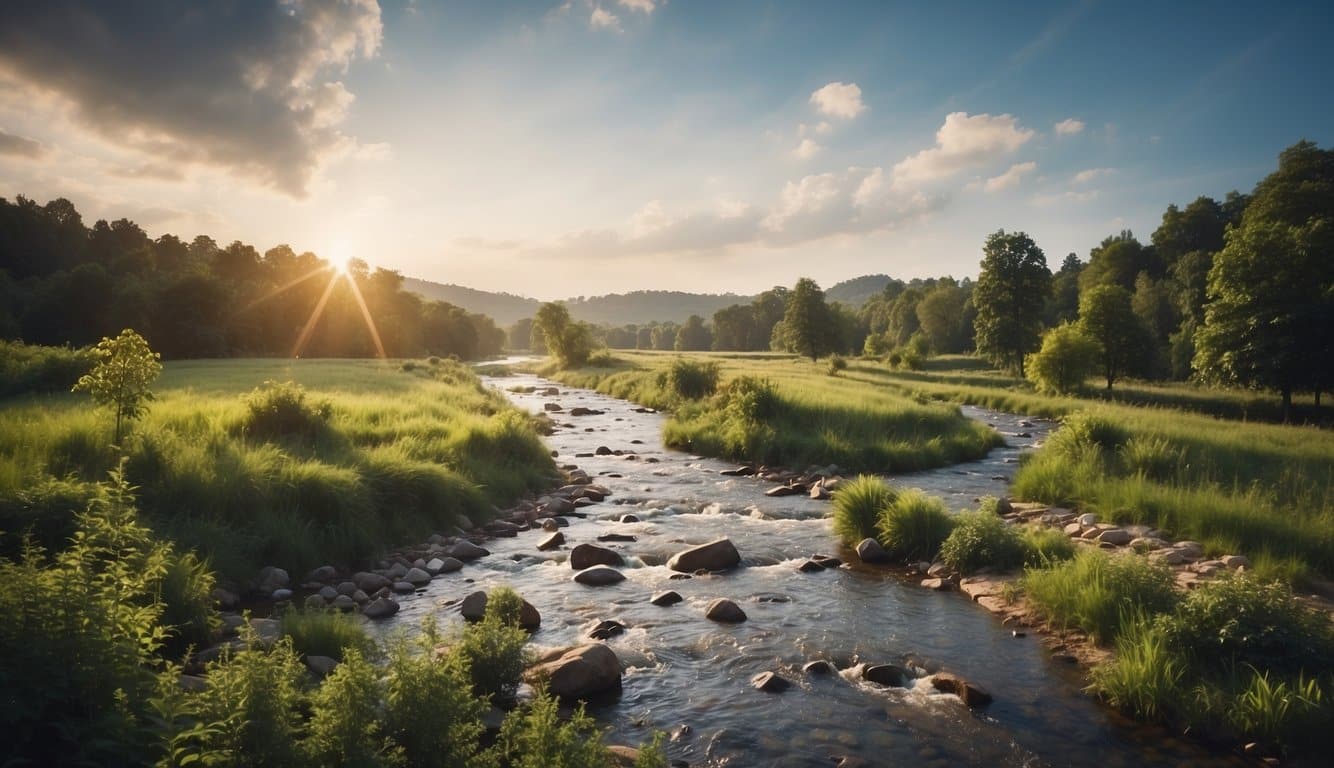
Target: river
{"x":691,"y":677}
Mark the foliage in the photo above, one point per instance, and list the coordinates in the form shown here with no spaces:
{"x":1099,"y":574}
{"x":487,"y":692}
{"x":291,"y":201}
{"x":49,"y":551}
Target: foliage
{"x":1067,"y":357}
{"x":806,"y":320}
{"x":125,"y":368}
{"x":982,"y":539}
{"x":253,"y":707}
{"x":837,"y":364}
{"x":493,"y":649}
{"x":857,"y":505}
{"x":186,"y":592}
{"x":1106,"y":317}
{"x":345,"y":726}
{"x":1100,"y":594}
{"x":430,"y":711}
{"x":1043,"y":546}
{"x":32,"y":368}
{"x":1008,"y":297}
{"x":327,"y":633}
{"x":913,"y":525}
{"x":692,"y":379}
{"x":568,"y":341}
{"x":278,"y":410}
{"x":535,"y":737}
{"x":1145,"y":677}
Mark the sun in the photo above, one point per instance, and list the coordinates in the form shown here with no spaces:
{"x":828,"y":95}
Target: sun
{"x":340,"y":256}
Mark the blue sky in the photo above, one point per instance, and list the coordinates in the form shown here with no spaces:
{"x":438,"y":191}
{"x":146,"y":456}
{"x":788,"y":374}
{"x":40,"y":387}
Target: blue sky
{"x":561,"y":149}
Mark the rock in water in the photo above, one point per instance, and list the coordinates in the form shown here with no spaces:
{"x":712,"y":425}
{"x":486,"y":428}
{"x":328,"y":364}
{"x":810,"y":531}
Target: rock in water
{"x":473,"y":608}
{"x":380,"y":608}
{"x":666,"y":598}
{"x":599,"y":576}
{"x":581,"y":672}
{"x":726,"y":611}
{"x":588,"y":555}
{"x":719,"y":555}
{"x":870,"y":551}
{"x":770,"y":682}
{"x":466,"y":550}
{"x":886,"y":674}
{"x":972,"y":695}
{"x":551,"y":542}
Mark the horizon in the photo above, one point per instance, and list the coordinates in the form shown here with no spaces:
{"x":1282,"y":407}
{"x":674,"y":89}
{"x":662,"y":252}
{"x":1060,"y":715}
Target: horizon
{"x":553,"y":150}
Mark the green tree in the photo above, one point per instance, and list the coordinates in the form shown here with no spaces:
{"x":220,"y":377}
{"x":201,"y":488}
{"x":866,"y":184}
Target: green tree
{"x":1068,"y":357}
{"x":1117,"y":261}
{"x":568,"y":341}
{"x":941,"y":314}
{"x":1011,"y":290}
{"x":694,"y":336}
{"x":1106,"y":316}
{"x":1063,"y":303}
{"x":120,"y":379}
{"x":806,"y":320}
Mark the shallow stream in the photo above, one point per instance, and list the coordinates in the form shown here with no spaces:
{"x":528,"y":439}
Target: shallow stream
{"x":691,"y":677}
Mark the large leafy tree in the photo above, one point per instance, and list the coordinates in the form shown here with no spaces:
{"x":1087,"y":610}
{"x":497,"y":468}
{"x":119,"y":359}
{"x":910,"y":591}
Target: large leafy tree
{"x":1011,"y":290}
{"x":1068,"y":357}
{"x":1118,"y":260}
{"x":1107,"y":317}
{"x":806,"y":323}
{"x":569,"y":341}
{"x":1270,"y":317}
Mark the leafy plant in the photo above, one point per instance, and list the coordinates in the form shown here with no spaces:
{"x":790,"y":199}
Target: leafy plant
{"x":120,"y":380}
{"x":982,"y":540}
{"x":692,"y":379}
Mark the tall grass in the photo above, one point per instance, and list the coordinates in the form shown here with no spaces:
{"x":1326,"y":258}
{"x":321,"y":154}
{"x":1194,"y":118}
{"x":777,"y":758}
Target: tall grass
{"x":982,"y":539}
{"x":857,"y":505}
{"x":914,"y":525}
{"x":347,"y":459}
{"x":327,"y":633}
{"x":28,"y":368}
{"x":1100,"y":594}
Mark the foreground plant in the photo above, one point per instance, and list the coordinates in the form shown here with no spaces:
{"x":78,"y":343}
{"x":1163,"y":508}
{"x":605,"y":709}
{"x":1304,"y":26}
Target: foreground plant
{"x":120,"y":380}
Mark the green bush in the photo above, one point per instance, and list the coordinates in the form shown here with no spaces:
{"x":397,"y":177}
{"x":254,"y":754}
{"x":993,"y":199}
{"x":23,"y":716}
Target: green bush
{"x":1153,"y":457}
{"x":857,"y":505}
{"x":1099,"y":593}
{"x":345,"y":727}
{"x":691,"y":379}
{"x":1145,"y":677}
{"x":327,"y":633}
{"x":1067,"y":358}
{"x":279,"y":411}
{"x":493,"y":649}
{"x":253,"y":706}
{"x":32,"y":368}
{"x":982,"y":540}
{"x":187,"y":604}
{"x":535,"y":737}
{"x":913,"y":525}
{"x":837,"y":364}
{"x":429,"y":707}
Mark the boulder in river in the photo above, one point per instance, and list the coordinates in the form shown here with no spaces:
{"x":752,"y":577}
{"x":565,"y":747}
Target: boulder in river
{"x":368,"y":582}
{"x":770,"y":682}
{"x":581,"y":672}
{"x":416,"y":576}
{"x":473,"y":608}
{"x":886,"y":674}
{"x":381,"y":608}
{"x":667,"y":598}
{"x":599,"y":576}
{"x":551,"y":542}
{"x":818,"y":667}
{"x":466,"y":550}
{"x":719,"y":555}
{"x":606,"y":629}
{"x":870,"y":551}
{"x":271,"y":578}
{"x":726,"y":611}
{"x":972,"y":695}
{"x":588,"y":555}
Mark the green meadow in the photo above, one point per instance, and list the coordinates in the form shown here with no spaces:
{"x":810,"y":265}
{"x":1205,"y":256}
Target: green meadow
{"x":351,"y":457}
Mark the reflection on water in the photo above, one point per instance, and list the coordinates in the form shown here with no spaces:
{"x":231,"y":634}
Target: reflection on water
{"x":683,"y":670}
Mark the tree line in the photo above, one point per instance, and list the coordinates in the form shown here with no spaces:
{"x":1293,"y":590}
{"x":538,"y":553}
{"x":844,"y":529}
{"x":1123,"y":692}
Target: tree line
{"x":64,"y":283}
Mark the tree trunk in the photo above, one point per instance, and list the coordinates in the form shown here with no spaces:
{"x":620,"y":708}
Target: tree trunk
{"x":1287,"y":404}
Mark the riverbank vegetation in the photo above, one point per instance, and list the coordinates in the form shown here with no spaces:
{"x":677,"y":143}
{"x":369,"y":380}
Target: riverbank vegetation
{"x":260,"y":462}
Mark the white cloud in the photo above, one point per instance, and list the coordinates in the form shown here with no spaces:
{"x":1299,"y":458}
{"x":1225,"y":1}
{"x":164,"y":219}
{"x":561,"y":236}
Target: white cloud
{"x":643,"y":6}
{"x":807,"y":149}
{"x":602,"y":19}
{"x":840,"y":100}
{"x":963,"y":141}
{"x":1047,"y":200}
{"x":1084,"y":177}
{"x":1069,"y":127}
{"x":1010,"y":178}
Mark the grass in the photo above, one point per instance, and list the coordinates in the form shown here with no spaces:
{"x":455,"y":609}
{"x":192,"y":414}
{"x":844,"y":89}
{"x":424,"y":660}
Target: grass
{"x":363,"y":456}
{"x":913,"y":525}
{"x":326,"y":633}
{"x":781,"y":409}
{"x":982,"y":539}
{"x":857,"y":505}
{"x":1100,"y":594}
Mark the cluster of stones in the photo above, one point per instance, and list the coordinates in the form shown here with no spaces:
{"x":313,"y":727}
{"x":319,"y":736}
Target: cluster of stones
{"x":816,"y":482}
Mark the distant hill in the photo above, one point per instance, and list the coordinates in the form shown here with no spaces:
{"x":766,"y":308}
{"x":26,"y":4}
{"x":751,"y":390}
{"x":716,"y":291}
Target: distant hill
{"x":858,"y":290}
{"x":504,"y":308}
{"x":637,"y":307}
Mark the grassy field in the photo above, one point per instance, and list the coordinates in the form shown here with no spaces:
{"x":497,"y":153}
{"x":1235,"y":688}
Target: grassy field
{"x":789,"y":411}
{"x":364,"y":455}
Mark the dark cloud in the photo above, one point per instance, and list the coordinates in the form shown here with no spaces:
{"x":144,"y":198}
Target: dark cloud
{"x":248,"y":86}
{"x":18,"y":146}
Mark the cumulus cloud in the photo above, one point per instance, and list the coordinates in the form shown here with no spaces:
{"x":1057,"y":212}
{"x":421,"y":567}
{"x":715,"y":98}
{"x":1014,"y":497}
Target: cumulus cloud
{"x":1069,"y":127}
{"x":1084,"y":177}
{"x":807,"y":149}
{"x":21,"y":146}
{"x":840,"y":100}
{"x":1010,"y":178}
{"x":643,"y":6}
{"x":252,"y":87}
{"x":964,"y":141}
{"x":604,"y":19}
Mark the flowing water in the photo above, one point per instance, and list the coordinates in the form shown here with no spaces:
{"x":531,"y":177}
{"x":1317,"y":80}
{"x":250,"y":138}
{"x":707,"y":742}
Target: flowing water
{"x":691,"y":677}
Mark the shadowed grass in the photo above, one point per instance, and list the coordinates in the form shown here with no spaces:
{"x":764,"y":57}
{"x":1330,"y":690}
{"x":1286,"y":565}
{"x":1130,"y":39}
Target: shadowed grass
{"x":857,"y":505}
{"x":1098,"y":593}
{"x":913,"y":525}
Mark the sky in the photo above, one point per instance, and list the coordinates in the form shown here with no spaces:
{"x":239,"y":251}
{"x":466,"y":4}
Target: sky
{"x":559,"y":149}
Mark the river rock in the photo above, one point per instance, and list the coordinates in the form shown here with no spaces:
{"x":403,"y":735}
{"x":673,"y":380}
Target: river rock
{"x":971,"y":695}
{"x":785,"y":490}
{"x":1087,"y":519}
{"x":588,"y":555}
{"x":629,"y":519}
{"x":404,"y":587}
{"x":667,"y":598}
{"x":344,"y":603}
{"x":726,"y":611}
{"x":329,"y":594}
{"x":466,"y":550}
{"x":1073,"y":530}
{"x":623,"y":756}
{"x":396,"y":571}
{"x":280,"y":595}
{"x":473,"y":608}
{"x":625,"y":537}
{"x":325,"y":574}
{"x":719,"y":555}
{"x":417,"y":576}
{"x":606,"y":629}
{"x":870,"y":551}
{"x":271,"y":578}
{"x":368,"y":582}
{"x":770,"y":682}
{"x":810,"y":566}
{"x":1117,"y":537}
{"x":380,"y":608}
{"x":940,"y":585}
{"x":886,"y":674}
{"x":1233,"y":562}
{"x":552,"y":407}
{"x":361,"y":598}
{"x":225,"y":599}
{"x":551,"y":542}
{"x":552,"y":524}
{"x":581,"y":672}
{"x":818,"y":667}
{"x":599,"y":576}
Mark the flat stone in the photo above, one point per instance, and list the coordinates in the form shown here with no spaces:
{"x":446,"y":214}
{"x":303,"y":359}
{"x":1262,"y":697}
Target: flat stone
{"x":1117,"y":537}
{"x":553,"y":541}
{"x":588,"y":555}
{"x":940,"y":585}
{"x":971,"y":695}
{"x":770,"y":682}
{"x":717,"y":555}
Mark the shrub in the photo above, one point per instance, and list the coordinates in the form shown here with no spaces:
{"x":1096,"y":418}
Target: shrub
{"x":1067,"y":358}
{"x":982,"y":540}
{"x":346,"y":727}
{"x":32,"y":368}
{"x":1043,"y":546}
{"x":913,"y":525}
{"x":429,"y":707}
{"x":837,"y":364}
{"x":1094,"y":592}
{"x":749,"y":399}
{"x":691,"y":379}
{"x":909,"y":359}
{"x":1145,"y":676}
{"x":1282,"y":712}
{"x":1154,"y":457}
{"x":1089,"y":430}
{"x":857,"y":506}
{"x":187,"y":604}
{"x":278,"y":410}
{"x":493,"y":649}
{"x":535,"y":737}
{"x":252,"y":707}
{"x":326,"y":633}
